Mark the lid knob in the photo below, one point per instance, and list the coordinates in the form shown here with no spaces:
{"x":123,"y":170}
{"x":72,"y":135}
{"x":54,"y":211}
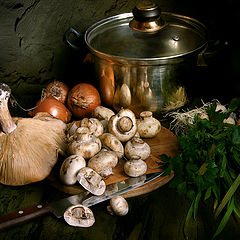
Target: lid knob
{"x":147,"y":17}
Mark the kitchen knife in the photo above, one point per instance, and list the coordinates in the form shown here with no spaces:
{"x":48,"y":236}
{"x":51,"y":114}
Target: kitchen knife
{"x":58,"y":207}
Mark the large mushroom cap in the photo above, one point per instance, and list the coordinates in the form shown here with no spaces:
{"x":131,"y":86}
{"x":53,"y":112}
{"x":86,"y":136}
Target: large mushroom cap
{"x":29,"y":146}
{"x":29,"y":153}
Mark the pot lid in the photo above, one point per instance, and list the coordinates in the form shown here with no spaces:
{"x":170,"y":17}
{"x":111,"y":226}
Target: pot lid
{"x":147,"y":33}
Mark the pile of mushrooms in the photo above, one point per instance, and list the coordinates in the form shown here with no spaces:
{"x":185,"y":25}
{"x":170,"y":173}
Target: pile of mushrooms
{"x":29,"y":146}
{"x":95,"y":146}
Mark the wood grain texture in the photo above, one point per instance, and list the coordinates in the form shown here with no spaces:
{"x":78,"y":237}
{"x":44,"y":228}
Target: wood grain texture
{"x":164,"y":142}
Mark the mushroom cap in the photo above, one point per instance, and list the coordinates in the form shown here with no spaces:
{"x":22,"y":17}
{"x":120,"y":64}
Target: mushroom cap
{"x":135,"y":168}
{"x":84,"y":144}
{"x":119,"y":205}
{"x":112,"y":143}
{"x":102,"y":113}
{"x":91,"y":181}
{"x":79,"y":216}
{"x":123,"y":125}
{"x":29,"y":153}
{"x":103,"y":161}
{"x":94,"y":125}
{"x":137,"y":147}
{"x":70,"y":167}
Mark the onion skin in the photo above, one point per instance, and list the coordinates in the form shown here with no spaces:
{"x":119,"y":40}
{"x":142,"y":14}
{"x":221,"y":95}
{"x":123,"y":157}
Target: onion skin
{"x":53,"y":107}
{"x":82,"y":100}
{"x":57,"y":90}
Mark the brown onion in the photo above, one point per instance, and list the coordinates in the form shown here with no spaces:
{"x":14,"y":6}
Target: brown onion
{"x":82,"y":100}
{"x":53,"y":107}
{"x":57,"y":90}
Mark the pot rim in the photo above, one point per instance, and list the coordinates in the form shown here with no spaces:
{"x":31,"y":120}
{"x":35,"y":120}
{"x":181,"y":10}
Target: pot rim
{"x":147,"y":60}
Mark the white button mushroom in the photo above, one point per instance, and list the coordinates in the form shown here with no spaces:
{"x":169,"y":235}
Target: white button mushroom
{"x":135,"y":167}
{"x":84,"y":144}
{"x":147,"y":125}
{"x":79,"y":216}
{"x":109,"y":141}
{"x":118,"y":206}
{"x":103,"y":162}
{"x":123,"y":125}
{"x":91,"y":181}
{"x":137,"y":147}
{"x":70,"y":167}
{"x":102,"y":113}
{"x":94,"y":125}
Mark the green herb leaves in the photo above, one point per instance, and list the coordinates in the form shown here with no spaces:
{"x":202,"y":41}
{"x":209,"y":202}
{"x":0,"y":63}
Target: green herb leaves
{"x":208,"y":163}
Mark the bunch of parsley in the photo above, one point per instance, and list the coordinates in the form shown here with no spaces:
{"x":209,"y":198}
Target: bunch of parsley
{"x":208,"y":164}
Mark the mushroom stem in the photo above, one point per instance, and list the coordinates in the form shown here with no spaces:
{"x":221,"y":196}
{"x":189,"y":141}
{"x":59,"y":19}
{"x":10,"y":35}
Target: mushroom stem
{"x":6,"y":120}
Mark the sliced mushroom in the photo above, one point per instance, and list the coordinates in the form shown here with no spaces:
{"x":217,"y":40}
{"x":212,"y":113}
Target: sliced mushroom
{"x":103,"y":162}
{"x":70,"y":167}
{"x":79,"y":216}
{"x":109,"y":141}
{"x":123,"y":125}
{"x":91,"y":181}
{"x":118,"y":206}
{"x":84,"y":144}
{"x":135,"y":167}
{"x":102,"y":113}
{"x":137,"y":147}
{"x":94,"y":125}
{"x":147,"y":125}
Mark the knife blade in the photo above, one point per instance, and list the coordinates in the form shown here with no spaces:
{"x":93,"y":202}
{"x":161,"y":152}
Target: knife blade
{"x":58,"y":207}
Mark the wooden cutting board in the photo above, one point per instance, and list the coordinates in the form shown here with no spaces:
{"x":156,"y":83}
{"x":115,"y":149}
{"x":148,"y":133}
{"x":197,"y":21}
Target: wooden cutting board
{"x":164,"y":142}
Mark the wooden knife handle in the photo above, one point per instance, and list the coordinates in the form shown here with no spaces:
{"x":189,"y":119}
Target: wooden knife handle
{"x":22,"y":216}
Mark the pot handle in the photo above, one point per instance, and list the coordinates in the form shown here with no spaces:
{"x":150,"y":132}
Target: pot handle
{"x":213,"y":49}
{"x":67,"y":34}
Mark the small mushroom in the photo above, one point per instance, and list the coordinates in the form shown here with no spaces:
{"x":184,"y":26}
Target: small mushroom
{"x":109,"y":141}
{"x":135,"y":167}
{"x":91,"y":181}
{"x":70,"y":167}
{"x":102,"y":113}
{"x":118,"y":206}
{"x":103,"y":162}
{"x":84,"y":144}
{"x":79,"y":216}
{"x":94,"y":125}
{"x":123,"y":125}
{"x":147,"y":125}
{"x":137,"y":147}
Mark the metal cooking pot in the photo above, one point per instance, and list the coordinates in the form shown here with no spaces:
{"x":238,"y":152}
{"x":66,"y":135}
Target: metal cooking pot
{"x":139,"y":56}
